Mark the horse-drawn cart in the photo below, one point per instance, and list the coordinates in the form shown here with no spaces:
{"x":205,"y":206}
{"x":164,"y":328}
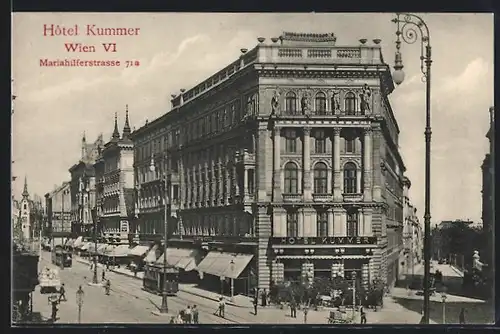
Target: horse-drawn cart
{"x":340,"y":317}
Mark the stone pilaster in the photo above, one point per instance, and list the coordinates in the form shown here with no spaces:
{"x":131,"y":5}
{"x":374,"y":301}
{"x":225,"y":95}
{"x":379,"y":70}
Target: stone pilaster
{"x":367,"y":165}
{"x":331,"y":227}
{"x":367,"y":223}
{"x":263,"y":259}
{"x":377,"y":183}
{"x":337,"y":178}
{"x":260,"y":170}
{"x":339,"y":228}
{"x":277,"y":165}
{"x":306,"y":163}
{"x":279,"y":222}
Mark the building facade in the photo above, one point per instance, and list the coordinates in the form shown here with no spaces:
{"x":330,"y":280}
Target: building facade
{"x":287,"y":158}
{"x":114,"y":175}
{"x":58,"y":209}
{"x":82,"y":187}
{"x":488,"y":202}
{"x":412,"y":233}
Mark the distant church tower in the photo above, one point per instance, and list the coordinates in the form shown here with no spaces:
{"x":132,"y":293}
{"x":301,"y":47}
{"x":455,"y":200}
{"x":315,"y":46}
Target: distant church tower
{"x":25,"y":212}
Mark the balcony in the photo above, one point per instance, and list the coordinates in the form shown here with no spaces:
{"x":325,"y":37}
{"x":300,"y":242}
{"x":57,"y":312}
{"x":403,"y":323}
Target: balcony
{"x":292,"y":198}
{"x":352,"y":197}
{"x":322,"y":198}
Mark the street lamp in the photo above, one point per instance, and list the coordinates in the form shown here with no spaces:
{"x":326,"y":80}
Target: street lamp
{"x":353,"y":294}
{"x":232,"y":279}
{"x":443,"y":300}
{"x":79,"y":302}
{"x":164,"y":303}
{"x":409,"y":28}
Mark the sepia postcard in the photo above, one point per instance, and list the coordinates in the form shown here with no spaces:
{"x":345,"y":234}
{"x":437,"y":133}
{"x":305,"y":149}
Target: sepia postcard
{"x":252,"y":168}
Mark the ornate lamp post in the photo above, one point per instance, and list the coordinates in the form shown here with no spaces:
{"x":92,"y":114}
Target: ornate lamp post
{"x":164,"y":303}
{"x":232,"y":279}
{"x":79,"y":302}
{"x":409,"y":28}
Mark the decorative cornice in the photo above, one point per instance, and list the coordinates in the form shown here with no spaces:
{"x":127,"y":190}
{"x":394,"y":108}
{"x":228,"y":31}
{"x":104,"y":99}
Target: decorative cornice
{"x":317,"y":73}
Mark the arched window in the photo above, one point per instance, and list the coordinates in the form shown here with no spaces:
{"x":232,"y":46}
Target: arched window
{"x":320,"y":178}
{"x":291,"y":178}
{"x":320,"y":104}
{"x":350,"y":178}
{"x":350,"y":103}
{"x":352,"y":223}
{"x":291,"y":103}
{"x":292,"y":224}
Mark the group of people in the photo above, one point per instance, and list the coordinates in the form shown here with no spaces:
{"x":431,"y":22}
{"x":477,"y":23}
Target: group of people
{"x":190,"y":315}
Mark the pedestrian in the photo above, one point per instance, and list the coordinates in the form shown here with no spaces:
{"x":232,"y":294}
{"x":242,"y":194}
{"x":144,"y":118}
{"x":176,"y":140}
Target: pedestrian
{"x":195,"y":314}
{"x":91,"y":266}
{"x":461,"y":316}
{"x":62,"y":293}
{"x":188,"y":314}
{"x":107,"y":287}
{"x":264,"y":298}
{"x":54,"y":311}
{"x":172,"y":320}
{"x":363,"y":315}
{"x":221,"y":307}
{"x":293,"y":308}
{"x":179,"y":320}
{"x":103,"y":274}
{"x":306,"y":310}
{"x":255,"y":304}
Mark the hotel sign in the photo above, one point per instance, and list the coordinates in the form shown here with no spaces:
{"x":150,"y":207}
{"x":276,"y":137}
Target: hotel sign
{"x":325,"y":241}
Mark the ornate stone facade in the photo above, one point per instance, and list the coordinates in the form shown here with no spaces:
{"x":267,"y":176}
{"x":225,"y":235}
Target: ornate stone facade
{"x":288,"y":141}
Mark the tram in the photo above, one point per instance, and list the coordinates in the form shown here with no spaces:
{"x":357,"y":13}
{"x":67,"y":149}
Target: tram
{"x":61,"y":257}
{"x":153,"y":279}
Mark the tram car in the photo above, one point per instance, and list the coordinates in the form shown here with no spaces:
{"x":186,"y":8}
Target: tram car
{"x":153,"y":279}
{"x":49,"y":280}
{"x":62,"y":257}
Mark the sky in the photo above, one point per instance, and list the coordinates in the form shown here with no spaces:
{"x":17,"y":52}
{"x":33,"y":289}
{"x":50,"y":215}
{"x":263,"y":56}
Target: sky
{"x":54,"y":106}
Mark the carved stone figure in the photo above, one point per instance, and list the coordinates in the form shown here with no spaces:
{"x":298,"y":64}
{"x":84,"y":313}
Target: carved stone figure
{"x":365,"y":98}
{"x":304,"y":104}
{"x":275,"y":102}
{"x":336,"y":101}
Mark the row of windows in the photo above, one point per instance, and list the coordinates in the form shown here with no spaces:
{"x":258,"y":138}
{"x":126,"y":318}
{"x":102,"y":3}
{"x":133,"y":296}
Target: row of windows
{"x":320,"y":173}
{"x":350,"y":103}
{"x":292,"y":224}
{"x":319,"y":142}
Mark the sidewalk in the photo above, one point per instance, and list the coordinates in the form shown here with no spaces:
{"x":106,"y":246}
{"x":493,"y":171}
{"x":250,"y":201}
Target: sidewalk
{"x":238,"y":301}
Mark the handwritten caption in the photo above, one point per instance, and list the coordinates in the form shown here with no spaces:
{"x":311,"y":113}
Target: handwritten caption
{"x":56,"y":30}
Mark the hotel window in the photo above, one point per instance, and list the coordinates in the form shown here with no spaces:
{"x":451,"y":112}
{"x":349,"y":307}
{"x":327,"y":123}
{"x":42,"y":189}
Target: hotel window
{"x":320,"y":104}
{"x":350,"y":178}
{"x":291,"y":178}
{"x":320,"y":142}
{"x":291,"y":103}
{"x":290,"y":141}
{"x":352,"y":223}
{"x":322,"y":223}
{"x":251,"y":182}
{"x":350,"y":145}
{"x":350,"y":103}
{"x":320,"y":178}
{"x":292,"y":224}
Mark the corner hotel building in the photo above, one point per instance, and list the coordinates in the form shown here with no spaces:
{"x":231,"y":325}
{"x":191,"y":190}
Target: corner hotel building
{"x":284,"y":164}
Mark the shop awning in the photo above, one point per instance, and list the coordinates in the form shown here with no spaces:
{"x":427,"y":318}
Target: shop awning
{"x":219,"y":264}
{"x":140,"y":250}
{"x":85,"y":246}
{"x":181,"y":258}
{"x":151,"y":256}
{"x":120,"y":251}
{"x":101,"y":248}
{"x":78,"y":242}
{"x":69,"y":242}
{"x":107,"y":249}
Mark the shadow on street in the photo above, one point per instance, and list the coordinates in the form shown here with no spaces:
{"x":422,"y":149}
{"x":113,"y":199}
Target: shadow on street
{"x":475,"y":313}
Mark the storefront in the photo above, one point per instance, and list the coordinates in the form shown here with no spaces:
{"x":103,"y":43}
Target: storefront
{"x":226,"y":264}
{"x":298,"y":259}
{"x":185,"y":260}
{"x":137,"y":255}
